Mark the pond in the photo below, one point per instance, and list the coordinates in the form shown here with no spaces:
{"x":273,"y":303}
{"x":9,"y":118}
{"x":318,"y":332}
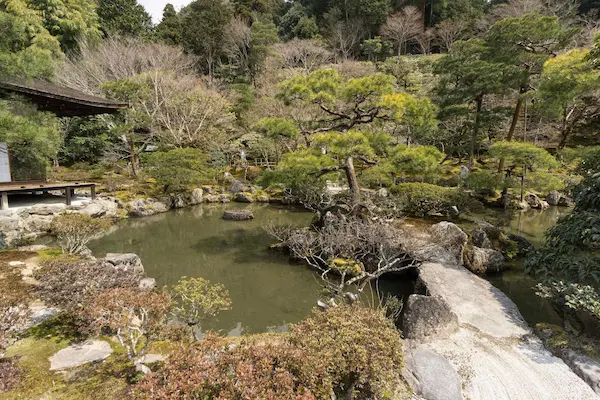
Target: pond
{"x":514,"y":282}
{"x":267,"y":291}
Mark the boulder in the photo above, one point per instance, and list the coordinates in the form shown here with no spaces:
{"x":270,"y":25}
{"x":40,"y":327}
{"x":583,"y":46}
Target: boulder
{"x":243,"y":215}
{"x":125,"y":261}
{"x":480,"y":238}
{"x":212,"y":198}
{"x":534,"y":201}
{"x":566,"y":202}
{"x":158,"y":206}
{"x":147,"y":284}
{"x":451,"y":237}
{"x":39,"y":314}
{"x":208,"y":189}
{"x":225,"y":198}
{"x":383,"y":192}
{"x":179,"y":201}
{"x":431,"y":376}
{"x":196,"y":197}
{"x":262,"y":199}
{"x":236,"y":187}
{"x":520,"y":205}
{"x":428,"y":318}
{"x":586,"y":368}
{"x":139,"y":208}
{"x":483,"y":261}
{"x":511,"y":243}
{"x":553,"y":198}
{"x":79,"y":354}
{"x":244,"y":197}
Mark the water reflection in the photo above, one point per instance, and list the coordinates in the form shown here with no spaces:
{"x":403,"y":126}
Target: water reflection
{"x":266,"y":290}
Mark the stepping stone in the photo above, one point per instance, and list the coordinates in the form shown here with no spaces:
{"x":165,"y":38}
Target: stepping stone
{"x":79,"y":354}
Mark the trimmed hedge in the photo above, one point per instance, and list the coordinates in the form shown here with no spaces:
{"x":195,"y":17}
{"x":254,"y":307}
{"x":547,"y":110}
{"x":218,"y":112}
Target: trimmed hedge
{"x":420,"y":199}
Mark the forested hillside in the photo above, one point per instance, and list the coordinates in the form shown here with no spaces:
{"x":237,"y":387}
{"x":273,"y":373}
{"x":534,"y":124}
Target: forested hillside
{"x":416,"y":108}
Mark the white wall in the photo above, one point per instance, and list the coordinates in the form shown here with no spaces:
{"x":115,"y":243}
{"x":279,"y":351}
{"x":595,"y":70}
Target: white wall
{"x":4,"y":166}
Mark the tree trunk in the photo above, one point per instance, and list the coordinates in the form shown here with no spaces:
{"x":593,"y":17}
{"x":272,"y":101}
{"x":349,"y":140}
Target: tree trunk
{"x":513,"y":124}
{"x":475,"y":136}
{"x":352,"y":180}
{"x":132,"y":155}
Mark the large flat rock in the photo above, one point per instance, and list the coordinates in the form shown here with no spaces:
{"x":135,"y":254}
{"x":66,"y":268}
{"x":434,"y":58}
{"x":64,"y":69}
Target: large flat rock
{"x":494,"y":351}
{"x":79,"y":354}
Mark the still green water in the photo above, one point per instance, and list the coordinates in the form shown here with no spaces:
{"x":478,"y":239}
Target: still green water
{"x":267,"y":291}
{"x":514,"y":282}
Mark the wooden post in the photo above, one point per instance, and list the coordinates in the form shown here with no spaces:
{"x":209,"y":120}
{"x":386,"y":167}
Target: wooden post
{"x":93,"y":192}
{"x":4,"y":201}
{"x":68,"y":195}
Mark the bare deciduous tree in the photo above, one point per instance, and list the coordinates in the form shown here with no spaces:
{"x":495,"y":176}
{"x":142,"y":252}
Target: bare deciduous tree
{"x":237,"y":42}
{"x":448,"y":32}
{"x":403,"y":26}
{"x":357,"y":251}
{"x":306,"y":54}
{"x":426,"y":39}
{"x":345,"y":36}
{"x":116,"y":59}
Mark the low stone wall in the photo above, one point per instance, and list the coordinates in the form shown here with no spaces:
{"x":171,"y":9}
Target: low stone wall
{"x":19,"y":226}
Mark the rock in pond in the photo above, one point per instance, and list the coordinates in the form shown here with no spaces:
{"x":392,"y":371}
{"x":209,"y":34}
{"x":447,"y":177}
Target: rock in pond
{"x":245,"y":197}
{"x":483,"y":261}
{"x":147,"y":284}
{"x":451,"y":237}
{"x":480,"y":238}
{"x":243,"y":215}
{"x":125,"y":261}
{"x":586,"y":368}
{"x":428,"y":318}
{"x":79,"y":354}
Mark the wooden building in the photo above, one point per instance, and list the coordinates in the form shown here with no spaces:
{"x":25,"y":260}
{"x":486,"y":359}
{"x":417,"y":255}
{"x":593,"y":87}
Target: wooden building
{"x":63,"y":102}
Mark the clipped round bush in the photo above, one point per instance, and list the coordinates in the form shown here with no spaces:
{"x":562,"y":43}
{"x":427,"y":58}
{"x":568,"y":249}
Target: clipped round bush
{"x":421,"y":199}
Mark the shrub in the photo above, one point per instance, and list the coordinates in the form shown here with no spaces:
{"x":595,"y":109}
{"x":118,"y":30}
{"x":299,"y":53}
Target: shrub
{"x":134,"y":316}
{"x":74,"y":231}
{"x":484,"y":182}
{"x":197,"y":299}
{"x":211,"y":369}
{"x":180,"y":169}
{"x":10,"y":374}
{"x":67,"y":284}
{"x":420,"y":199}
{"x":352,"y":351}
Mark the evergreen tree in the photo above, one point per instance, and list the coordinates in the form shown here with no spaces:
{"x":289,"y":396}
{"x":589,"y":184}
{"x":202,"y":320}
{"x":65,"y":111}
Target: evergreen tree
{"x":169,"y":29}
{"x":204,"y":30}
{"x":123,"y":18}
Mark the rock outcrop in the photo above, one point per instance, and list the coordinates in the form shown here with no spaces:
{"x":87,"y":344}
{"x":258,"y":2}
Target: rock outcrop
{"x":79,"y":354}
{"x":427,"y":318}
{"x":126,"y":261}
{"x":243,"y":215}
{"x":484,"y":261}
{"x":451,"y":238}
{"x":23,"y":224}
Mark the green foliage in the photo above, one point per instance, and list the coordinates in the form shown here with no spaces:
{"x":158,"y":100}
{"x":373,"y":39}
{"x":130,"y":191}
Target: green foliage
{"x":84,"y":141}
{"x":352,"y":351}
{"x":70,"y":21}
{"x":518,"y":154}
{"x":180,"y":169}
{"x":528,"y":41}
{"x":33,"y":139}
{"x":262,"y":36}
{"x":204,"y":29}
{"x":484,"y":182}
{"x":417,"y":162}
{"x":375,"y":48}
{"x":198,"y":299}
{"x":344,"y":145}
{"x":274,"y":127}
{"x":27,"y":49}
{"x":169,"y":29}
{"x":568,"y":263}
{"x":421,"y":199}
{"x":74,"y":231}
{"x":123,"y":18}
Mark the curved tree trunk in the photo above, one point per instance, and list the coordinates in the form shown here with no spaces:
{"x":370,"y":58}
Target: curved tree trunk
{"x":352,"y":180}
